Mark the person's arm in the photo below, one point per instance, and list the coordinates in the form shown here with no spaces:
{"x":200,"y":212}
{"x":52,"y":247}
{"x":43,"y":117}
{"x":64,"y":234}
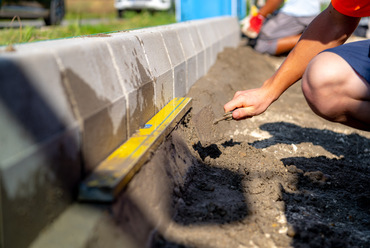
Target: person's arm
{"x":327,"y":30}
{"x":269,"y":7}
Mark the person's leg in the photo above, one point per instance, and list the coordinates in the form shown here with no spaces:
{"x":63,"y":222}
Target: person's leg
{"x":280,"y":33}
{"x":336,"y":92}
{"x":286,"y":44}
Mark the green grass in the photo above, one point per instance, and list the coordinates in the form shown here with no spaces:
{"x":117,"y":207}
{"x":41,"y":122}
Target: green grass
{"x":132,"y":20}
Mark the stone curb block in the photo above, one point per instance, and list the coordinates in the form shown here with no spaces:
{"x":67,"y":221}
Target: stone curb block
{"x":40,"y":162}
{"x":66,"y":104}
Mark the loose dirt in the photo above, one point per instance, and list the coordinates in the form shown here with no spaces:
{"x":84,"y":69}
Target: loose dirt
{"x":286,"y":178}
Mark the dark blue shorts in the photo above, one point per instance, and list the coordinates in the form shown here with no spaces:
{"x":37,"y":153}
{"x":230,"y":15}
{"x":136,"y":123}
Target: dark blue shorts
{"x":357,"y":55}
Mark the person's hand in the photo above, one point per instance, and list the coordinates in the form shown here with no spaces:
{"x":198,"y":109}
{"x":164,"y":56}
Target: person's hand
{"x":249,"y":103}
{"x":255,"y":24}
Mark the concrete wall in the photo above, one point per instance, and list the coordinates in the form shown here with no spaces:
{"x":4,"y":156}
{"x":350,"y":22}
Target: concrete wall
{"x":66,"y":104}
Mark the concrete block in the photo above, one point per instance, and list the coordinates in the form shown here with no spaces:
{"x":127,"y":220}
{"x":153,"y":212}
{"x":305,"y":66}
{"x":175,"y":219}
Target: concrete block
{"x":99,"y":126}
{"x":199,"y":49}
{"x":85,"y":225}
{"x":191,"y":72}
{"x":33,"y":102}
{"x":94,"y":86}
{"x":186,"y":41}
{"x":189,"y":53}
{"x":232,"y":40}
{"x":180,"y":80}
{"x":159,"y":63}
{"x":136,"y":79}
{"x":230,"y":26}
{"x":223,"y":27}
{"x":217,"y":46}
{"x":37,"y":187}
{"x":208,"y":37}
{"x":91,"y":74}
{"x":39,"y":148}
{"x":206,"y":32}
{"x":139,"y":101}
{"x":87,"y":93}
{"x":172,"y":43}
{"x":177,"y":59}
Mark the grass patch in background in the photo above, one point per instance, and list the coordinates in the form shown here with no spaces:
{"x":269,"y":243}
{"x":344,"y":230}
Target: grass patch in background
{"x":110,"y":23}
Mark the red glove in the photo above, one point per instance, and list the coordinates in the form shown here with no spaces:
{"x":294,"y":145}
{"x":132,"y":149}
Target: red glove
{"x":255,"y":24}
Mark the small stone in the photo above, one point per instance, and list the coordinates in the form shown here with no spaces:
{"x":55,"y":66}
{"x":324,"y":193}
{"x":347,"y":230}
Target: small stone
{"x":291,"y":232}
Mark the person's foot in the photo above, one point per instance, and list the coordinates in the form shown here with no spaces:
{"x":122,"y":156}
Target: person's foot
{"x":252,"y":28}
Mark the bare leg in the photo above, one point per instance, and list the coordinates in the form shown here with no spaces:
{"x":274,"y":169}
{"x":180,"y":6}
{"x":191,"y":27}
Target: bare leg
{"x":286,"y":44}
{"x":336,"y":92}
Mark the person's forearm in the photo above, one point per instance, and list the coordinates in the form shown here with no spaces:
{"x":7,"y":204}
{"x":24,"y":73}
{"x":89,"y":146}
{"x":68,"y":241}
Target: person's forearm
{"x":270,"y":7}
{"x":327,"y":30}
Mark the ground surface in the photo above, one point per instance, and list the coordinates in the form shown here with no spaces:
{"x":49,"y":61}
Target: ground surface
{"x":286,"y":178}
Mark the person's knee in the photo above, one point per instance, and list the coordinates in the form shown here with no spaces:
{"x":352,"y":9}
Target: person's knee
{"x":319,"y":87}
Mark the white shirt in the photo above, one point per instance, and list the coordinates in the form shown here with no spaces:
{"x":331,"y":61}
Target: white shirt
{"x":301,"y":8}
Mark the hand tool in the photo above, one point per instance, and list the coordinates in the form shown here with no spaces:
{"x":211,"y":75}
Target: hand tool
{"x":226,"y":117}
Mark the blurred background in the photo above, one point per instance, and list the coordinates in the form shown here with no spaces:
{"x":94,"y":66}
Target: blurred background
{"x":97,"y":8}
{"x":34,"y":20}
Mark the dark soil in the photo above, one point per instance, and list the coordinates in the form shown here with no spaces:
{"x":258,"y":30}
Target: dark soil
{"x":286,"y":178}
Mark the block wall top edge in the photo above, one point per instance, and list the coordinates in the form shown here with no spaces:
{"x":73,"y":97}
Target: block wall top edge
{"x":174,"y":46}
{"x":34,"y":104}
{"x":207,"y":32}
{"x":91,"y":75}
{"x":156,"y":52}
{"x":186,"y":42}
{"x":131,"y":63}
{"x":212,"y":19}
{"x":65,"y":42}
{"x":197,"y":41}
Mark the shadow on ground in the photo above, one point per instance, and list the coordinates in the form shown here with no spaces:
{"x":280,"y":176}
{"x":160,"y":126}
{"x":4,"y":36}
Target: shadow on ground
{"x":205,"y":199}
{"x":347,"y":146}
{"x":329,"y":206}
{"x":241,"y":194}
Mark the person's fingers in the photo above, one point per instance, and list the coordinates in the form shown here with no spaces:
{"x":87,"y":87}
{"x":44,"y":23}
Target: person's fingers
{"x":240,"y":107}
{"x":228,"y":107}
{"x":236,"y":102}
{"x":243,"y":113}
